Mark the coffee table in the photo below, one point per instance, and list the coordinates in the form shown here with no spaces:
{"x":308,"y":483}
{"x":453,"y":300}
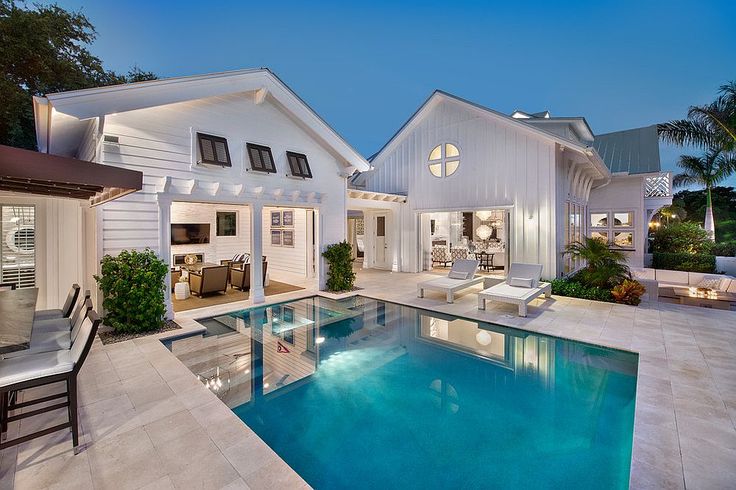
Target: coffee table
{"x":723,"y":300}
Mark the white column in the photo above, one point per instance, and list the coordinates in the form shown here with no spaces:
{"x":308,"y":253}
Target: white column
{"x":256,"y":257}
{"x":164,"y":249}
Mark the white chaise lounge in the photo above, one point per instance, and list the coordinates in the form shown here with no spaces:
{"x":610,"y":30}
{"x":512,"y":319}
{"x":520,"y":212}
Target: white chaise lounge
{"x":461,"y":276}
{"x":521,"y":286}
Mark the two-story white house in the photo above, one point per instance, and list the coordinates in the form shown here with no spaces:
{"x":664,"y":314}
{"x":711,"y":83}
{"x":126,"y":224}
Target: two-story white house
{"x":236,"y":163}
{"x":503,"y":188}
{"x":233,"y":163}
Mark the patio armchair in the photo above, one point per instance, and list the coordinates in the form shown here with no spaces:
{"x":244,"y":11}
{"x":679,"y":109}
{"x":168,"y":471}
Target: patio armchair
{"x":175,"y":276}
{"x":240,"y":276}
{"x":65,"y":311}
{"x":461,"y":276}
{"x":440,"y":255}
{"x":208,"y":280}
{"x":522,"y":285}
{"x":26,"y":372}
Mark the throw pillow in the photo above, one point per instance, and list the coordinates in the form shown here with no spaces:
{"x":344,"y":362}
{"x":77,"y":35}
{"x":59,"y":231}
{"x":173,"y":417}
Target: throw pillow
{"x":521,"y":282}
{"x":457,"y":275}
{"x":710,"y":283}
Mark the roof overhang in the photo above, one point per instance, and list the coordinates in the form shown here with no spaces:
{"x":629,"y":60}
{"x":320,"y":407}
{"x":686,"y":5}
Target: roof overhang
{"x":62,"y":118}
{"x":31,"y":172}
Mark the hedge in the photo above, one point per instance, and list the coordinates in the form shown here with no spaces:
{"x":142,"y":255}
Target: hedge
{"x":574,"y":289}
{"x":724,"y":249}
{"x":684,"y":262}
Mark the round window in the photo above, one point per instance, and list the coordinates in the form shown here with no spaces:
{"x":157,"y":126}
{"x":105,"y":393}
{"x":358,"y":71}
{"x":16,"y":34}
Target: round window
{"x":444,"y":160}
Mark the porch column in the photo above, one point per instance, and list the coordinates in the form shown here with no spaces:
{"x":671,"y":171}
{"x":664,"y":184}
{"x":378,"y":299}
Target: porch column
{"x":164,"y":250}
{"x":256,"y":254}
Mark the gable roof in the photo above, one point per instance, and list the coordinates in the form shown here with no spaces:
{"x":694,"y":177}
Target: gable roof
{"x":65,"y":116}
{"x":439,"y":95}
{"x":633,"y":151}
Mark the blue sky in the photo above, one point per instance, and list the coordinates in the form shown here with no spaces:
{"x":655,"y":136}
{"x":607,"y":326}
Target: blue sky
{"x":365,"y":67}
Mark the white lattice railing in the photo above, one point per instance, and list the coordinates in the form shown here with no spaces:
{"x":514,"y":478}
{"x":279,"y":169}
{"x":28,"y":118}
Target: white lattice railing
{"x":658,"y":185}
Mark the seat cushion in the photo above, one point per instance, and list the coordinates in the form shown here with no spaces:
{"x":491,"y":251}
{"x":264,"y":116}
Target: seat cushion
{"x":46,"y":314}
{"x":34,"y":366}
{"x":52,"y":325}
{"x":45,"y":342}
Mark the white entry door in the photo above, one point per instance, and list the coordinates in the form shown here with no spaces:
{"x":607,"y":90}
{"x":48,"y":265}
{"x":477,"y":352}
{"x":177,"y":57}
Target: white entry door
{"x":381,"y":242}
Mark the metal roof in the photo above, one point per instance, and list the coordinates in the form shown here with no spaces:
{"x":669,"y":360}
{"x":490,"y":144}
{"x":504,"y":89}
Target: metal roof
{"x":634,"y":151}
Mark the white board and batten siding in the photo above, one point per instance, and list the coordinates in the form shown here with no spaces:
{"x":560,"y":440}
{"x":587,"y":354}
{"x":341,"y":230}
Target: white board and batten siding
{"x":160,"y":142}
{"x":501,"y":166}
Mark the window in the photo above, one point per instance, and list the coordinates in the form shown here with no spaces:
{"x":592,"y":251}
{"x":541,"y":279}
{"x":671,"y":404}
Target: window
{"x":261,"y":159}
{"x":18,"y":245}
{"x":227,"y":223}
{"x":615,"y":228}
{"x":213,"y":150}
{"x":444,"y":160}
{"x":299,"y":165}
{"x":574,"y":232}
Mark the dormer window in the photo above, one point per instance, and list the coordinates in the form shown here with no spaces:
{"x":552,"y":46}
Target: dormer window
{"x":299,"y":165}
{"x":261,"y":159}
{"x":213,"y":150}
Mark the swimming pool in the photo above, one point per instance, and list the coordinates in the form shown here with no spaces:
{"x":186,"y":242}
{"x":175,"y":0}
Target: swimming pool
{"x":361,"y":393}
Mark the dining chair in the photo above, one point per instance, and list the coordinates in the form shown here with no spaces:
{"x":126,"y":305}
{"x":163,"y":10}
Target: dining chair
{"x":65,"y":310}
{"x":61,"y":324}
{"x":55,"y":339}
{"x":25,"y":372}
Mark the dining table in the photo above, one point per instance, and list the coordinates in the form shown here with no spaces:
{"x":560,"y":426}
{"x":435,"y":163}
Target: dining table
{"x":17,"y":309}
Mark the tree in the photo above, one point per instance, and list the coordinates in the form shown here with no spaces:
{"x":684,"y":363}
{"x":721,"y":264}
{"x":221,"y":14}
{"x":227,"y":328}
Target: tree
{"x":712,"y":168}
{"x":707,"y":126}
{"x":44,"y":49}
{"x":686,"y":237}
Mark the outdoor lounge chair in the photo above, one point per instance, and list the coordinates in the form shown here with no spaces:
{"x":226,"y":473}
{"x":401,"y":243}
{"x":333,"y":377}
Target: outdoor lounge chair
{"x":520,"y":287}
{"x":461,"y":276}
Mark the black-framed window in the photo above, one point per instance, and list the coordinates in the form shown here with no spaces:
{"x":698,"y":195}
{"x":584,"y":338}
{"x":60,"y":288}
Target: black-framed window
{"x":213,"y":150}
{"x":227,"y":223}
{"x":299,"y":165}
{"x":261,"y":159}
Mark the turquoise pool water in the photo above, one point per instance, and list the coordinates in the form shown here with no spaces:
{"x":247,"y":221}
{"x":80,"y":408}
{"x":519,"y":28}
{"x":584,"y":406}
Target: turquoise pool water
{"x":368,"y":394}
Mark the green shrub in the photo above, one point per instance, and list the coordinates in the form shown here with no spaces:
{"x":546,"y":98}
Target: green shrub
{"x":724,"y":249}
{"x":340,"y":276}
{"x":132,"y":285}
{"x":684,"y":262}
{"x":575,"y":289}
{"x":682,"y":238}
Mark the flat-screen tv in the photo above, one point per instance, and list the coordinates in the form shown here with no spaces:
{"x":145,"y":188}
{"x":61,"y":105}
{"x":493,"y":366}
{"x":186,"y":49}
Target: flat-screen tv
{"x":190,"y":233}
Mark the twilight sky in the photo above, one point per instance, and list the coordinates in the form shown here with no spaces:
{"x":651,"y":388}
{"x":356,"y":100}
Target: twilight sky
{"x":365,"y":67}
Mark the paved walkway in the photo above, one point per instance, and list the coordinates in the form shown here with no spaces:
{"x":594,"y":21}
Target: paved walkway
{"x":148,"y":423}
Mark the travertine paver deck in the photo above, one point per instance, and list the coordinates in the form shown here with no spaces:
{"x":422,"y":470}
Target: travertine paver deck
{"x":148,"y":423}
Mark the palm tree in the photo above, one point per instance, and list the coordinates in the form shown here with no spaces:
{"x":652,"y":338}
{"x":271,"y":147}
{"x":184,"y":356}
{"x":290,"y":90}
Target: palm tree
{"x":708,"y":126}
{"x":713,"y":167}
{"x":604,"y":267}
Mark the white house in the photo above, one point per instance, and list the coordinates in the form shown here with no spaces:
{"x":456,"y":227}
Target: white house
{"x":232,"y":163}
{"x":518,"y":188}
{"x":237,"y":163}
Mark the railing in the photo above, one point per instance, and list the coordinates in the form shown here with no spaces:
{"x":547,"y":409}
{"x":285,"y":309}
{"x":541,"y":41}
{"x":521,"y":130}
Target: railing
{"x":658,"y":185}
